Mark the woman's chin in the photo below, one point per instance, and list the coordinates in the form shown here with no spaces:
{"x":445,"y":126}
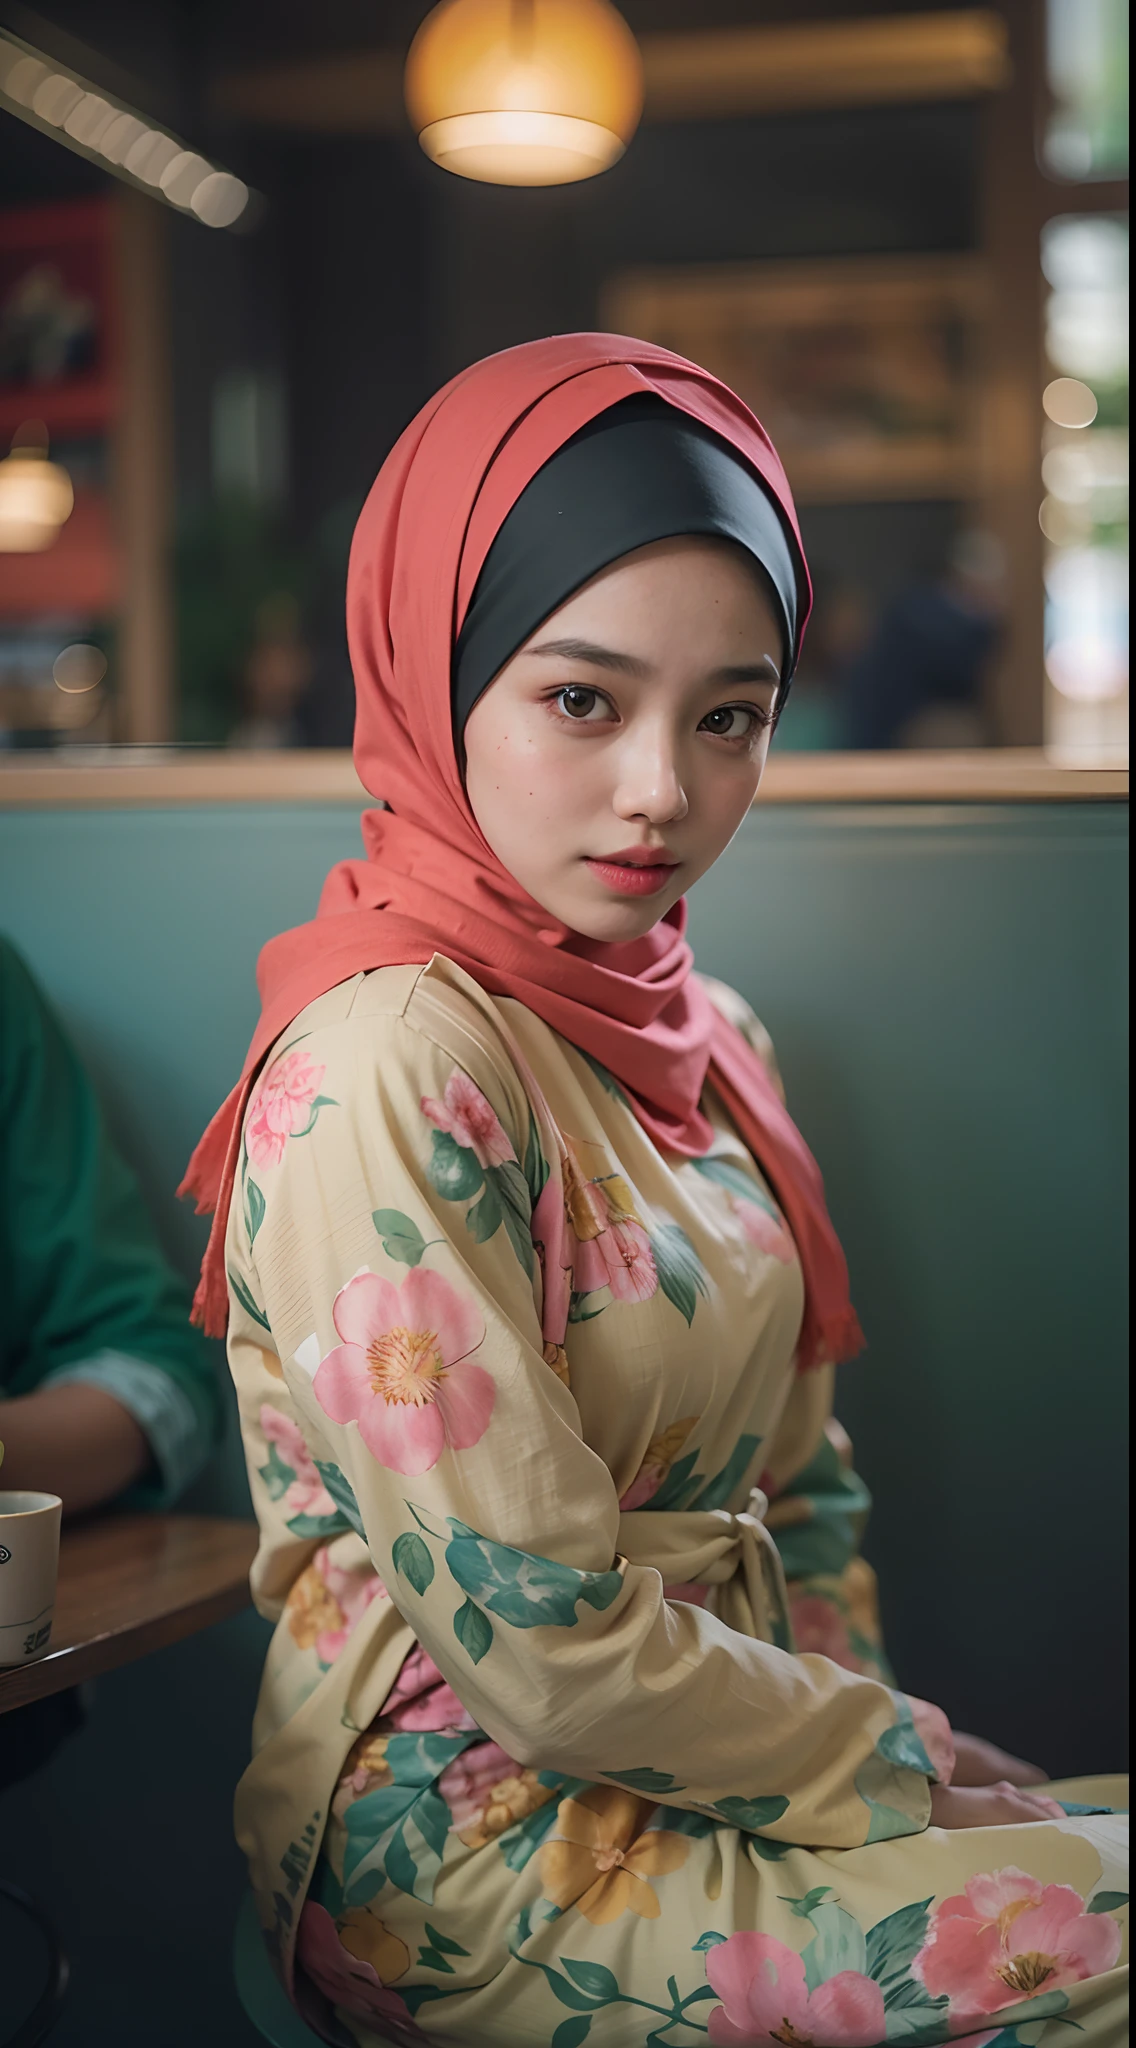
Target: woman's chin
{"x":617,"y":922}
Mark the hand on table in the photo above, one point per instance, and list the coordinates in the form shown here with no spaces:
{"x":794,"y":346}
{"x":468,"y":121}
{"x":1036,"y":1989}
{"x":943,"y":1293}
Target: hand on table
{"x":989,"y":1806}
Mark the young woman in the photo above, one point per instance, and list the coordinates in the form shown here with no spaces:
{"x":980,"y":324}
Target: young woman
{"x":533,"y":1306}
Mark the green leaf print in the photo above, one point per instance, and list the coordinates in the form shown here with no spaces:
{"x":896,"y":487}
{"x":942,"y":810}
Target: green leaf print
{"x":277,"y":1476}
{"x":483,"y":1217}
{"x":429,"y":1959}
{"x":568,"y":1994}
{"x":343,"y":1496}
{"x":247,"y":1303}
{"x":570,"y":2033}
{"x":519,"y":1844}
{"x":679,"y":1487}
{"x":318,"y":1525}
{"x":901,"y":1745}
{"x":594,"y":1978}
{"x":523,"y":1590}
{"x":318,"y":1102}
{"x":413,"y":1561}
{"x":893,"y":1943}
{"x":402,"y":1239}
{"x":535,"y":1165}
{"x":751,"y":1814}
{"x":454,"y":1171}
{"x":1107,"y":1902}
{"x":717,"y":1491}
{"x":678,"y":1267}
{"x":607,"y":1083}
{"x":443,"y":1943}
{"x":711,"y":1939}
{"x":516,"y":1209}
{"x":400,"y":1829}
{"x":737,"y":1181}
{"x":473,"y":1630}
{"x":578,"y":1311}
{"x":838,"y":1945}
{"x":645,"y":1780}
{"x":254,"y":1210}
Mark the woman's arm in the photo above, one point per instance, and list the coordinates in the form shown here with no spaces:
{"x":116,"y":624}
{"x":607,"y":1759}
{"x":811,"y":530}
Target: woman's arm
{"x":74,"y":1440}
{"x":387,"y":1246}
{"x":91,"y":1307}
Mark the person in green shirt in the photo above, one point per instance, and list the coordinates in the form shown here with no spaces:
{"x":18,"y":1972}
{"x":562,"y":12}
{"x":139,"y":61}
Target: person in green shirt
{"x":106,"y":1391}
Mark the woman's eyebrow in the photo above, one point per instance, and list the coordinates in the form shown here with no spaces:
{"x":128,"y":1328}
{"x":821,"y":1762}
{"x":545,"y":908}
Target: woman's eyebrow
{"x":600,"y":657}
{"x":763,"y":671}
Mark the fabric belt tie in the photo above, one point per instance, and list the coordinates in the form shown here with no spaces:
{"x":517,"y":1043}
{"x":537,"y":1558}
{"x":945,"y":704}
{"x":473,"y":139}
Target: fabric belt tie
{"x":734,"y":1555}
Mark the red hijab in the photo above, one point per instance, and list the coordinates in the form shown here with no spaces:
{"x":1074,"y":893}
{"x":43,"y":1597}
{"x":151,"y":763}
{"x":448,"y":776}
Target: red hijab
{"x":430,"y":884}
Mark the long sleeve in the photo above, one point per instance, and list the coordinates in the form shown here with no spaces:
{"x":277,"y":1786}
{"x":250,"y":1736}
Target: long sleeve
{"x":382,"y":1261}
{"x":88,"y":1295}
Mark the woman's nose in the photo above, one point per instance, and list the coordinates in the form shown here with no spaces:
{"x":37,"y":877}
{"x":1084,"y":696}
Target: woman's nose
{"x":650,"y":784}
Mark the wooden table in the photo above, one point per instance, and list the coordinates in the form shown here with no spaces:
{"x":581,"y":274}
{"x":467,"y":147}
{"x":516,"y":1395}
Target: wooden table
{"x":129,"y":1584}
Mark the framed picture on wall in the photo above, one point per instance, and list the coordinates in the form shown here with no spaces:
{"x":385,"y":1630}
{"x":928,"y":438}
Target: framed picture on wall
{"x":865,"y":371}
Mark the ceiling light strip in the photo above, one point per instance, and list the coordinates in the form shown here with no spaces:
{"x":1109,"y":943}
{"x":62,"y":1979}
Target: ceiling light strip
{"x":89,"y":121}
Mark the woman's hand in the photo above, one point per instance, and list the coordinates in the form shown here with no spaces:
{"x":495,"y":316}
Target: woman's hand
{"x":983,"y":1763}
{"x":989,"y":1806}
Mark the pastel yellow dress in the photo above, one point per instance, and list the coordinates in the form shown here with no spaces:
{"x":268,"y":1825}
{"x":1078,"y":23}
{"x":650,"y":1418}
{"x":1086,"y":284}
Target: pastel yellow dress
{"x":547,"y":1749}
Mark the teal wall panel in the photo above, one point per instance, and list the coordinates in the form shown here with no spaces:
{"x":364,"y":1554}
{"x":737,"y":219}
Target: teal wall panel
{"x":946,"y":987}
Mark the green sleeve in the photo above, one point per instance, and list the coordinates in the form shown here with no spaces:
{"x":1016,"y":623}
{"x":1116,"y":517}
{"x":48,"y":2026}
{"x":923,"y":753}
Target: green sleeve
{"x":87,"y":1293}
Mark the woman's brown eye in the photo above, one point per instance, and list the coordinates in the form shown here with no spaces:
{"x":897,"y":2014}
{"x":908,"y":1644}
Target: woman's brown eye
{"x":576,"y":702}
{"x":732,"y":722}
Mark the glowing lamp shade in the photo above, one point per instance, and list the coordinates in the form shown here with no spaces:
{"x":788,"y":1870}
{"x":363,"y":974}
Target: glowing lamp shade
{"x":524,"y":92}
{"x":35,"y":500}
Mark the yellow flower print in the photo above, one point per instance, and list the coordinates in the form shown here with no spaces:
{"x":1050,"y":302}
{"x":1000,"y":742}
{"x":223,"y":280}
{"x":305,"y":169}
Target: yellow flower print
{"x":312,"y":1610}
{"x":658,"y":1458}
{"x":587,"y":1211}
{"x":600,"y":1859}
{"x":556,"y":1356}
{"x":365,"y":1938}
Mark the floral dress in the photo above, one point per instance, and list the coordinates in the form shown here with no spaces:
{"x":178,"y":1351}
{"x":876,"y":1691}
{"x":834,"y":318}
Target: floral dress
{"x":575,"y":1726}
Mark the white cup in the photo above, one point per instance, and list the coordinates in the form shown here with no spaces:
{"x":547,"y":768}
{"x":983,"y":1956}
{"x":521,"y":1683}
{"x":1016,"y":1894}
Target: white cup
{"x":29,"y":1567}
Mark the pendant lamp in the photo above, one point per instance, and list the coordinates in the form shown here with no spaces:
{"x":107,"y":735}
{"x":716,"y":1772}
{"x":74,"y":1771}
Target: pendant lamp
{"x":524,"y":92}
{"x":36,"y":497}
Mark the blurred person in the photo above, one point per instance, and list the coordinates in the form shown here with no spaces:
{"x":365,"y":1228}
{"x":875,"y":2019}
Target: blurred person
{"x":274,"y":676}
{"x":919,"y":679}
{"x":106,"y":1391}
{"x":576,"y":1696}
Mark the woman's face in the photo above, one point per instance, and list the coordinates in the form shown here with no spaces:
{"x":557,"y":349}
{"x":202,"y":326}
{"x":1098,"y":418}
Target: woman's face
{"x":615,"y":756}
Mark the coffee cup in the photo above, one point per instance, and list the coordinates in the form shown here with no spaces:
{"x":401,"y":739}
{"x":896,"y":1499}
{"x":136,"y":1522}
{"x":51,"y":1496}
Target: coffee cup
{"x":29,"y":1567}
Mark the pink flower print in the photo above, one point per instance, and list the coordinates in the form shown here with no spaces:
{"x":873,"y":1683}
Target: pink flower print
{"x":630,"y":1262}
{"x":765,"y":1231}
{"x":349,"y":1980}
{"x":281,"y":1107}
{"x":307,"y":1494}
{"x":487,"y":1792}
{"x":1008,"y":1937}
{"x":326,"y":1602}
{"x":421,"y":1701}
{"x":819,"y":1629}
{"x":765,"y":2000}
{"x":402,"y":1371}
{"x":470,"y":1120}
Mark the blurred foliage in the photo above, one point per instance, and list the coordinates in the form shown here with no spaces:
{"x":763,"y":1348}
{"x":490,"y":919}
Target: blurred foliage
{"x":232,"y":558}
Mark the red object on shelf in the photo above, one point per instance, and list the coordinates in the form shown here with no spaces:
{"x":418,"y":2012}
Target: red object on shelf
{"x":76,"y":238}
{"x":79,"y":576}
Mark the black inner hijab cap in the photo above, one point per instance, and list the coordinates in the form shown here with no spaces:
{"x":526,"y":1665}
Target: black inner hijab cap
{"x":641,"y":471}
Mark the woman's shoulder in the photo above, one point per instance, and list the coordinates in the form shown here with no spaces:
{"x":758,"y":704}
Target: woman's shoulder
{"x":417,"y":1022}
{"x":735,"y":1009}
